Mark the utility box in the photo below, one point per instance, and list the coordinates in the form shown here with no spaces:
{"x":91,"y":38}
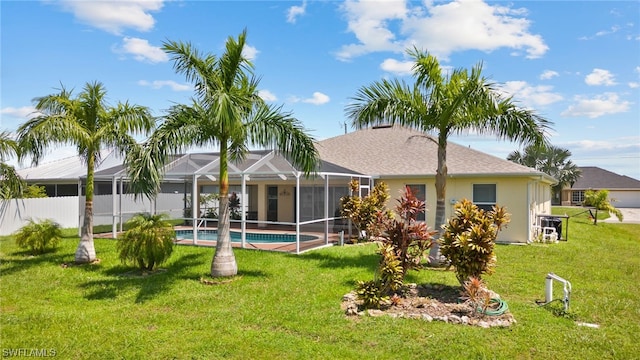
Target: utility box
{"x":554,"y":222}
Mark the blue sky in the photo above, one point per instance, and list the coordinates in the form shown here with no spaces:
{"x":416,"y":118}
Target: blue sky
{"x":577,"y":63}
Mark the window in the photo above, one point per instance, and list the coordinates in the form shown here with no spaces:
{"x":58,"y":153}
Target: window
{"x":420,"y":192}
{"x":484,"y":196}
{"x":577,"y":196}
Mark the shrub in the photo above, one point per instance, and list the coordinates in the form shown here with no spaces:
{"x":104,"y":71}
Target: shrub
{"x":371,"y":293}
{"x":39,"y":237}
{"x":600,"y":200}
{"x":409,"y":238}
{"x":363,"y":211}
{"x":148,"y":242}
{"x":404,"y":244}
{"x":469,"y":238}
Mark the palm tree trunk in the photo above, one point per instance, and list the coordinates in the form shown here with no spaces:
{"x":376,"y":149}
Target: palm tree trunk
{"x":441,"y":189}
{"x":86,"y":251}
{"x":224,"y":261}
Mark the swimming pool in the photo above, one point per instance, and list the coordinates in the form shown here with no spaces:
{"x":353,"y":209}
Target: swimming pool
{"x":250,"y":237}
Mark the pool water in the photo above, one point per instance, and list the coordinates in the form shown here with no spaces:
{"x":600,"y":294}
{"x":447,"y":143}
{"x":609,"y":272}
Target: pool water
{"x":250,"y":237}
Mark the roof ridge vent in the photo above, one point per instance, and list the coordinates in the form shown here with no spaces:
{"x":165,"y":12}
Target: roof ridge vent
{"x":382,"y":126}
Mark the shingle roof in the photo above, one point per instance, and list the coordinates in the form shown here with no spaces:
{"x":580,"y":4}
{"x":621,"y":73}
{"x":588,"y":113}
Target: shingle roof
{"x":597,"y":178}
{"x":399,"y":151}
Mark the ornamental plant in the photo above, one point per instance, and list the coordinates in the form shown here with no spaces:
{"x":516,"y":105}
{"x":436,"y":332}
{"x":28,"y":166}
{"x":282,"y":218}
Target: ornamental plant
{"x":410,"y":239}
{"x":600,"y":200}
{"x":363,"y":211}
{"x":148,"y":242}
{"x":38,"y":237}
{"x":404,"y":245}
{"x":469,"y":237}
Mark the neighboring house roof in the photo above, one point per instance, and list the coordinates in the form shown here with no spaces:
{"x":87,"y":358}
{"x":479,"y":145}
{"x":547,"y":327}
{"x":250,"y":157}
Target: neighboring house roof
{"x":398,"y":151}
{"x":593,"y":177}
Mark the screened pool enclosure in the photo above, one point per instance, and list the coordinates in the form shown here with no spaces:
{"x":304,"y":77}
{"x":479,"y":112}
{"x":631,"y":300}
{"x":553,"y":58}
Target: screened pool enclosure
{"x":267,"y":196}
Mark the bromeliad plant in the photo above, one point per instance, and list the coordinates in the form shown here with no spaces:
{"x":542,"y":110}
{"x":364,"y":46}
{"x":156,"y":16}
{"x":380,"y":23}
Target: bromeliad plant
{"x":38,"y":237}
{"x":404,"y":245}
{"x":469,"y":239}
{"x":148,"y":242}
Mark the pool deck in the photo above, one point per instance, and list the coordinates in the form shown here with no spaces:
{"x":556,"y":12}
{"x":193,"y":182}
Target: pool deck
{"x":289,"y":247}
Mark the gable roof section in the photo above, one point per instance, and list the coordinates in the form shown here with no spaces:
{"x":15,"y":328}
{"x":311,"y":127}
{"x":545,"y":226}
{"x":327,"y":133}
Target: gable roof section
{"x":399,"y":151}
{"x":597,"y":178}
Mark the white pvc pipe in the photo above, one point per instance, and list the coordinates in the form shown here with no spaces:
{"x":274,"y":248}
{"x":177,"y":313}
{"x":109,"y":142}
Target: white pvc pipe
{"x":549,"y":289}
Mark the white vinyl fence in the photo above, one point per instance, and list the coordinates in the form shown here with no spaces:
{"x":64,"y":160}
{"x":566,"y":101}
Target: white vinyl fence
{"x":15,"y":213}
{"x":68,"y":211}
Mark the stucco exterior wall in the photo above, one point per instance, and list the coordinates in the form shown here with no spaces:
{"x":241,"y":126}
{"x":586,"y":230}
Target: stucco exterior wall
{"x":522,"y":197}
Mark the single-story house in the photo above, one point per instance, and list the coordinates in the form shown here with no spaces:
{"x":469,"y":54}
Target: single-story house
{"x":624,"y":191}
{"x":404,"y":157}
{"x":271,"y":191}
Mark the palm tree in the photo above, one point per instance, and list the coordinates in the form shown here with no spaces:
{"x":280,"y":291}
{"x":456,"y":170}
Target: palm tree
{"x":447,"y":104}
{"x":89,"y":123}
{"x":11,"y":185}
{"x":551,"y":160}
{"x":226,"y":112}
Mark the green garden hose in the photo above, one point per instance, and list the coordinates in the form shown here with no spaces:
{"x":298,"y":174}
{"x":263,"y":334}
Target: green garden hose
{"x":502,"y":308}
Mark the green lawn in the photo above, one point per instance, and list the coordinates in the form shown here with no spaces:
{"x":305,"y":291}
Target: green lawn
{"x":288,"y":307}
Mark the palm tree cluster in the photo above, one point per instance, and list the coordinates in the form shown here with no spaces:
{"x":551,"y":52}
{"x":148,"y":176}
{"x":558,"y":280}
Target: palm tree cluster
{"x":551,"y":160}
{"x":227,"y":112}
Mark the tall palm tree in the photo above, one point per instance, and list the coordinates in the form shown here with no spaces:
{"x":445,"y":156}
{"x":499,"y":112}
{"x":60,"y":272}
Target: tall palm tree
{"x":89,"y":123}
{"x":225,"y":112}
{"x":11,"y":185}
{"x":447,"y":104}
{"x":551,"y":160}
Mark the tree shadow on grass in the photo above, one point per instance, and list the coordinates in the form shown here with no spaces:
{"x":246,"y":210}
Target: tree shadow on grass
{"x":20,"y":261}
{"x":332,"y":261}
{"x":123,"y":278}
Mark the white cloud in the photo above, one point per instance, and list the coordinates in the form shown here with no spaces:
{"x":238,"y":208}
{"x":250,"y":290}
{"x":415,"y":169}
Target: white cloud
{"x":267,"y":95}
{"x":634,"y":85}
{"x":249,"y":52}
{"x":142,"y":50}
{"x":441,"y":28}
{"x":548,"y":74}
{"x":369,"y":21}
{"x":613,"y":29}
{"x":397,"y":67}
{"x":115,"y":16}
{"x":605,"y":104}
{"x":623,"y":143}
{"x":531,"y":96}
{"x":21,"y":112}
{"x":158,"y":84}
{"x":600,"y":77}
{"x":317,"y":99}
{"x":295,"y":11}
